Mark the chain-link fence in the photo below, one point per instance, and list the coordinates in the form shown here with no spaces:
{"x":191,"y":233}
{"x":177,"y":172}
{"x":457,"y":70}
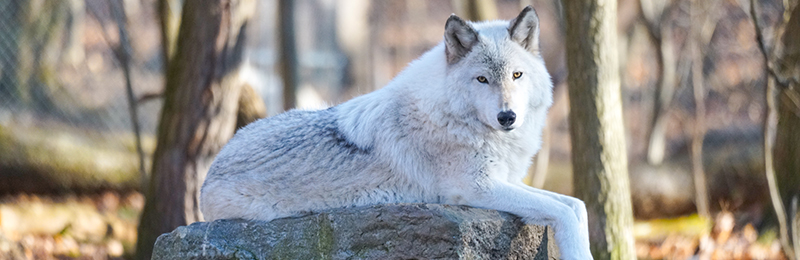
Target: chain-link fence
{"x":63,"y":103}
{"x":64,"y":116}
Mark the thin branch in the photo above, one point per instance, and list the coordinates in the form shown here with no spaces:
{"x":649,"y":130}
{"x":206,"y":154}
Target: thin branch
{"x":770,"y":128}
{"x":149,"y":96}
{"x":123,"y":52}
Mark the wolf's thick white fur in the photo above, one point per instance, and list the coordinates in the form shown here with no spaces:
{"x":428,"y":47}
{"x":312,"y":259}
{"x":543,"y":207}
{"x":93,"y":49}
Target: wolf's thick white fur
{"x":431,"y":135}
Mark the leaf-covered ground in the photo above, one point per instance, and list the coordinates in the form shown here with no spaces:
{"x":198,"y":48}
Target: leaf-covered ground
{"x":103,"y":226}
{"x":693,"y":237}
{"x":99,"y":226}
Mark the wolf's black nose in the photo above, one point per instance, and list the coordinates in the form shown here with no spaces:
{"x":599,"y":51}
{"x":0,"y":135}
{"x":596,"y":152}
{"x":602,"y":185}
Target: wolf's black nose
{"x":506,"y":118}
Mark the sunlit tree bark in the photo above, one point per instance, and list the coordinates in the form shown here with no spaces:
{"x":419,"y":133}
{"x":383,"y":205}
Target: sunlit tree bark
{"x":599,"y":156}
{"x":199,"y":113}
{"x":782,"y":120}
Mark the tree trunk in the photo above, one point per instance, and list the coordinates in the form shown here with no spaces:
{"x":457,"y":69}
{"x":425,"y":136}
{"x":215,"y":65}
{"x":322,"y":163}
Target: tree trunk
{"x":251,"y":106}
{"x":599,"y":156}
{"x":476,"y":10}
{"x":704,"y":17}
{"x":199,"y":114}
{"x":353,"y":33}
{"x":288,"y":62}
{"x":782,"y":120}
{"x":786,"y":153}
{"x":787,"y":139}
{"x":786,"y":156}
{"x":653,"y":12}
{"x":74,"y":48}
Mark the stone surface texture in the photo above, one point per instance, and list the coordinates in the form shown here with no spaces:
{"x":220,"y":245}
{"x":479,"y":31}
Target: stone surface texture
{"x":395,"y":231}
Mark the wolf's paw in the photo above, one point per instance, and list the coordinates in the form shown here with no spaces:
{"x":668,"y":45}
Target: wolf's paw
{"x":576,"y":255}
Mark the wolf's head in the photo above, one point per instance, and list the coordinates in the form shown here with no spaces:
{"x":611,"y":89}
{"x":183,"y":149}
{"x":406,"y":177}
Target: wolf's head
{"x":497,"y":66}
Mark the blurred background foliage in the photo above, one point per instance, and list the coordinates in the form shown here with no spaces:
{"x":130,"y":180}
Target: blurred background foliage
{"x":73,"y":167}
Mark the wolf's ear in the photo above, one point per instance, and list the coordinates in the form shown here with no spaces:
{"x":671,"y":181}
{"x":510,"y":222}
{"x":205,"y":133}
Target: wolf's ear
{"x":459,"y":37}
{"x":525,"y":29}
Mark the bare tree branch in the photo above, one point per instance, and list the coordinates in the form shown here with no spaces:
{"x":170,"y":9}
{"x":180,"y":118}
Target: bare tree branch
{"x":149,"y":96}
{"x":122,"y":52}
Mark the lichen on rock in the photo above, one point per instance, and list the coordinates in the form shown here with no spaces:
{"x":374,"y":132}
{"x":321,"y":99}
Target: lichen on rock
{"x":394,"y":231}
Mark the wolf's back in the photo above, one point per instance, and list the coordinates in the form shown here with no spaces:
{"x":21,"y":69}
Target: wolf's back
{"x":275,"y":164}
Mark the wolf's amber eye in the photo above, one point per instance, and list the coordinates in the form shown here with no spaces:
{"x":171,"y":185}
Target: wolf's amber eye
{"x":482,"y":79}
{"x":517,"y":74}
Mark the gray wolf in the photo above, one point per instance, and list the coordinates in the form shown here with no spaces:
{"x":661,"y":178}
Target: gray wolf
{"x":457,"y":126}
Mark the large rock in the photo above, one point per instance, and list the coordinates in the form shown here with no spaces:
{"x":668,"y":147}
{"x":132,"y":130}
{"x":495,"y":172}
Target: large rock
{"x":397,"y":231}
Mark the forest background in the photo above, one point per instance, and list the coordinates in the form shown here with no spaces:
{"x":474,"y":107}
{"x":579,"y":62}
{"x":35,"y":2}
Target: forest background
{"x":84,"y":86}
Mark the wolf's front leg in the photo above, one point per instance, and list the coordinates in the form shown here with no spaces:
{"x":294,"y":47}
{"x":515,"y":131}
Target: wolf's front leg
{"x":577,"y":206}
{"x":533,"y":207}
